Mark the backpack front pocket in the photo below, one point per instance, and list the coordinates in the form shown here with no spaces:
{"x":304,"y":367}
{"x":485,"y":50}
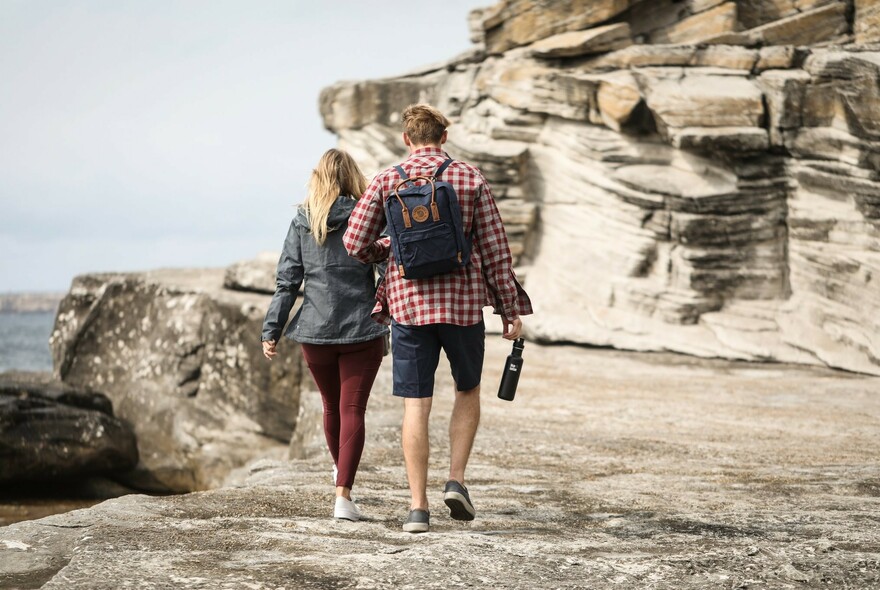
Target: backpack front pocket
{"x":429,"y":250}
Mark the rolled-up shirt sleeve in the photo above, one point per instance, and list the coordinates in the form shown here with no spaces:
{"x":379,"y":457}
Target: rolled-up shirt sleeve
{"x":362,"y":237}
{"x":288,"y":280}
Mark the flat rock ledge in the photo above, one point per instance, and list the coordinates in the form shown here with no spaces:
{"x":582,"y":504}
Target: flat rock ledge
{"x":609,"y":470}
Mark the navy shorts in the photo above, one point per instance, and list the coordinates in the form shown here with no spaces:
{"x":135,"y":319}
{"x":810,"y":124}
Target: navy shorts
{"x":415,"y":352}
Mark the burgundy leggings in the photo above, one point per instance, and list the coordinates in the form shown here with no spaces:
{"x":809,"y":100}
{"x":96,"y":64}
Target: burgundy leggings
{"x":344,"y":374}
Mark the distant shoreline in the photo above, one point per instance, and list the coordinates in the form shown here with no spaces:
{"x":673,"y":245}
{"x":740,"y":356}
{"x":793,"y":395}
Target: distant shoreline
{"x":29,"y":302}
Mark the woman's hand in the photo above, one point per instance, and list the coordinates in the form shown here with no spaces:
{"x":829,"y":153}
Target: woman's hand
{"x":269,"y":349}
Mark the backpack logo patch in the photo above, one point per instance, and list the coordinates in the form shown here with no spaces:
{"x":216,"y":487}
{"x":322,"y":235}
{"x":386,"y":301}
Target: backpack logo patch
{"x":420,"y":213}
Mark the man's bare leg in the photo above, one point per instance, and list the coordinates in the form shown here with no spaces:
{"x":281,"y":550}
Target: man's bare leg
{"x":462,"y":430}
{"x":414,"y":436}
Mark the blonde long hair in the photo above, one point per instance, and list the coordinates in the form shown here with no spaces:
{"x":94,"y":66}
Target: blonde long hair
{"x":337,"y":174}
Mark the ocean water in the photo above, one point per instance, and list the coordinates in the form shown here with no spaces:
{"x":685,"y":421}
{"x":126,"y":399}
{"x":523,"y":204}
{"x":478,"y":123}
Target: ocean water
{"x":24,"y":340}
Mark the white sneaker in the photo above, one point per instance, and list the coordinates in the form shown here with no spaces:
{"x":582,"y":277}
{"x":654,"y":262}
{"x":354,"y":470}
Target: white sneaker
{"x":346,"y":509}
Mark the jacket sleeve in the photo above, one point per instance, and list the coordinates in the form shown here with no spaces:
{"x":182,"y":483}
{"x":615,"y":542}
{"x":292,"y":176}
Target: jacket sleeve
{"x":508,"y":297}
{"x":288,"y":280}
{"x":362,"y":237}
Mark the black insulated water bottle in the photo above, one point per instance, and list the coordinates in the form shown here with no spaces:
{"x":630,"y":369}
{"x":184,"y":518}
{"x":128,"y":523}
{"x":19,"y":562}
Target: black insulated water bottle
{"x":512,"y":369}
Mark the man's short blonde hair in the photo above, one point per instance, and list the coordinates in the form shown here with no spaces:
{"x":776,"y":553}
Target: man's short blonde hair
{"x":424,"y":124}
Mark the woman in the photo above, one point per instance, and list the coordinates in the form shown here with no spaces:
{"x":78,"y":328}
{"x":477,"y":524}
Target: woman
{"x":342,"y":345}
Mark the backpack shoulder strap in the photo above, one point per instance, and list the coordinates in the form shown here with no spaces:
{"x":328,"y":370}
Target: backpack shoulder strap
{"x":402,"y":173}
{"x":443,"y":167}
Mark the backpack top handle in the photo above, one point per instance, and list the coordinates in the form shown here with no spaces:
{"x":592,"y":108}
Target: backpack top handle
{"x":435,"y":211}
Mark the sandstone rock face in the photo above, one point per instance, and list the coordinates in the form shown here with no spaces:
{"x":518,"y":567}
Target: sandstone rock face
{"x":181,"y":360}
{"x":51,"y":431}
{"x":512,"y":23}
{"x":597,"y":40}
{"x":867,"y":21}
{"x":719,"y":199}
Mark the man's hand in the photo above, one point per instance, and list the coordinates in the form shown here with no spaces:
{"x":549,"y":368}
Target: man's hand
{"x":269,"y":349}
{"x":512,"y":329}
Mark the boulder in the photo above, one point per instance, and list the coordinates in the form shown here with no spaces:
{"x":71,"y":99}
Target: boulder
{"x":180,"y":358}
{"x":51,"y":431}
{"x":257,"y":275}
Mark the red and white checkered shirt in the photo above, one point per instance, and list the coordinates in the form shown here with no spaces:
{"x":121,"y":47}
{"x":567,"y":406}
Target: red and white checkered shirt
{"x":453,"y":298}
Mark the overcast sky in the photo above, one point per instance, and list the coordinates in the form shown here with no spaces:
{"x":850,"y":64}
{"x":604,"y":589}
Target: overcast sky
{"x":154,"y":133}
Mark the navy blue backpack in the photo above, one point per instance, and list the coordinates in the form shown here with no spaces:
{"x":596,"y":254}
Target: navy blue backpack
{"x":425,"y":226}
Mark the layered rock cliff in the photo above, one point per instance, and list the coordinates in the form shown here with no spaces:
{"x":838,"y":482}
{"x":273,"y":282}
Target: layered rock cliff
{"x":697,"y":176}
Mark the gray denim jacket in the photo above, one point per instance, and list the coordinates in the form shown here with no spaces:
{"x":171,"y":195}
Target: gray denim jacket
{"x":339,"y":291}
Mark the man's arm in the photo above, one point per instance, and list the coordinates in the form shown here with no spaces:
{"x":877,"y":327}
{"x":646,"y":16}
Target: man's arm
{"x":491,"y":239}
{"x":365,"y":225}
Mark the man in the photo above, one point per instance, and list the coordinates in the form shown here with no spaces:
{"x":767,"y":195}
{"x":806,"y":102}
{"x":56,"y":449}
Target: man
{"x":443,"y":311}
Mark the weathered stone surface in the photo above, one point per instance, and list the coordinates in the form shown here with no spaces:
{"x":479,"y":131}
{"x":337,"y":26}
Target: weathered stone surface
{"x":730,"y":57}
{"x":51,"y":431}
{"x":636,"y":56}
{"x":721,"y":139}
{"x":513,"y":23}
{"x":867,"y":21}
{"x":726,"y":56}
{"x":784,"y":92}
{"x":575,"y":43}
{"x":665,"y":21}
{"x":617,"y":99}
{"x":711,"y":23}
{"x":180,"y":358}
{"x":257,"y":275}
{"x":704,"y":101}
{"x":827,"y":23}
{"x":718,"y":474}
{"x":539,"y":89}
{"x":776,"y":57}
{"x":754,"y":13}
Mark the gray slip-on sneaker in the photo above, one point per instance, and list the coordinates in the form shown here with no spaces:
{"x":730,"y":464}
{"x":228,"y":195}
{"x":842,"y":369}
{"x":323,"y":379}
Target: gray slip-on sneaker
{"x":418,"y":521}
{"x":456,"y":497}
